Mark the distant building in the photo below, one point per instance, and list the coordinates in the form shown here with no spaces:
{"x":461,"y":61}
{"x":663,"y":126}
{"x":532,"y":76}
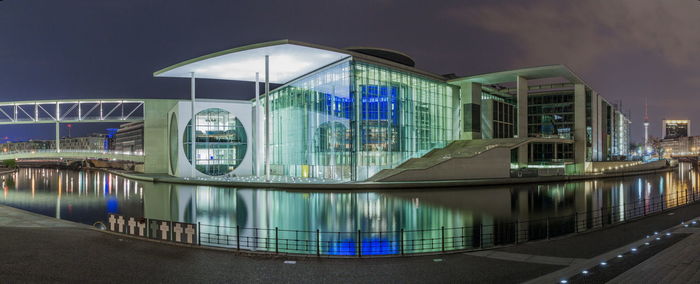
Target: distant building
{"x":94,"y":142}
{"x":129,"y":138}
{"x":675,"y":128}
{"x":26,"y":146}
{"x":680,"y":146}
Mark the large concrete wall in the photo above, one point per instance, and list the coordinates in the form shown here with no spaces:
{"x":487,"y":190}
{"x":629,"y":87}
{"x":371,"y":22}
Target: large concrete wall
{"x":155,"y":140}
{"x":494,"y":163}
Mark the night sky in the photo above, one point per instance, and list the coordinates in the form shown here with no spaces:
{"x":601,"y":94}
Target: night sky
{"x":625,"y":49}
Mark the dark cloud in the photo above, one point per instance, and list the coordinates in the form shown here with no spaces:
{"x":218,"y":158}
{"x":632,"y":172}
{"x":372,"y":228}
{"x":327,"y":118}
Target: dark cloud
{"x":626,"y":49}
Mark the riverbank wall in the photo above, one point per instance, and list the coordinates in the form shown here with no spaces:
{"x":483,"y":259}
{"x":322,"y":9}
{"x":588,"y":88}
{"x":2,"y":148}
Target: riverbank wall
{"x":650,"y":169}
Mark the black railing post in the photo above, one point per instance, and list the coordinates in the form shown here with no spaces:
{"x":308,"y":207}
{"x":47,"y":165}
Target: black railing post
{"x":359,"y":243}
{"x":464,"y":237}
{"x":318,"y":242}
{"x":238,"y":236}
{"x":443,"y":238}
{"x":517,"y":230}
{"x":481,"y":235}
{"x":199,"y":233}
{"x":547,"y":227}
{"x":277,"y":241}
{"x":575,"y":222}
{"x":401,"y":240}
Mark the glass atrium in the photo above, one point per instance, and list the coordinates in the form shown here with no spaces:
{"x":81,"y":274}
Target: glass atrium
{"x":350,"y":120}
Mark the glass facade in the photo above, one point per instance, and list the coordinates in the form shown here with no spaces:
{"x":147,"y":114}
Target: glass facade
{"x":350,"y":120}
{"x":551,"y":115}
{"x":221,"y":142}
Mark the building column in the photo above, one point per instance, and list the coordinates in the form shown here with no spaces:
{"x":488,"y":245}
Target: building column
{"x":580,"y":127}
{"x":595,"y":133}
{"x":267,"y":117}
{"x":522,"y":90}
{"x":193,"y":123}
{"x":58,"y":137}
{"x":256,"y":129}
{"x":470,"y":96}
{"x":523,"y":155}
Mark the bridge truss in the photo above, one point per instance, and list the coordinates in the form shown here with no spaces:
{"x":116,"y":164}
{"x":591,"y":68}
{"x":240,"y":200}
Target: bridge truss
{"x":72,"y":111}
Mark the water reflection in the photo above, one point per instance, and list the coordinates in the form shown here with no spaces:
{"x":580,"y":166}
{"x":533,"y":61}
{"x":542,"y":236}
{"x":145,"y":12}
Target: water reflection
{"x":468,"y":214}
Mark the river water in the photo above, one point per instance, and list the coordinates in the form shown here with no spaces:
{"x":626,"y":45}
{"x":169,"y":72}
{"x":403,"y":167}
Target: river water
{"x":89,"y":196}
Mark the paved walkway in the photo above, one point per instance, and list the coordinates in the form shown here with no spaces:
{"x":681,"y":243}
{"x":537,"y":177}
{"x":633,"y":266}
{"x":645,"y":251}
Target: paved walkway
{"x":11,"y":217}
{"x":37,"y":248}
{"x":677,"y":264}
{"x":47,"y":250}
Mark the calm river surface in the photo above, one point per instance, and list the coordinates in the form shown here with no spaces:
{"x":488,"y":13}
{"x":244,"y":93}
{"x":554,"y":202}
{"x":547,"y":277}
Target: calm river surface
{"x":89,"y":196}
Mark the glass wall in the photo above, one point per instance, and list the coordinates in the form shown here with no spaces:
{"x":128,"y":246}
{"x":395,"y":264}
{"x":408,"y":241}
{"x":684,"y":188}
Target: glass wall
{"x":402,"y":116}
{"x":353,"y":119}
{"x":221,"y":142}
{"x":551,"y":115}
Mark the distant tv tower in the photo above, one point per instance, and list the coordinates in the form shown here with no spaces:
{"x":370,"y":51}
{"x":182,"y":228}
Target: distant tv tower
{"x":646,"y":125}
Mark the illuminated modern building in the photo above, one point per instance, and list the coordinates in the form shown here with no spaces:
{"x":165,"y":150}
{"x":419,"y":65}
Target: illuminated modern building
{"x":675,"y":128}
{"x":349,"y":114}
{"x":680,"y":146}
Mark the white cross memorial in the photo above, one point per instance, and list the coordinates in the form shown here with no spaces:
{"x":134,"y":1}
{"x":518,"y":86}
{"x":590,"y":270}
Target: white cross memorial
{"x":177,"y":230}
{"x":189,"y":231}
{"x":120,"y":222}
{"x":164,"y":228}
{"x":112,"y":220}
{"x":132,"y":224}
{"x":142,"y":228}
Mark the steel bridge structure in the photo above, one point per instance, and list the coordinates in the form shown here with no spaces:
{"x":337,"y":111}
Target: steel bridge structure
{"x":75,"y":111}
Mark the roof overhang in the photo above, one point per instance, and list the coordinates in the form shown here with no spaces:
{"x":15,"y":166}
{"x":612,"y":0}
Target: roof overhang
{"x":550,"y":71}
{"x":288,"y":60}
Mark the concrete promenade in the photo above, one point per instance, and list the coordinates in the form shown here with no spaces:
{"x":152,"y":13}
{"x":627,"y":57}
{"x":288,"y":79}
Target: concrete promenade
{"x":377,"y":185}
{"x":43,"y":249}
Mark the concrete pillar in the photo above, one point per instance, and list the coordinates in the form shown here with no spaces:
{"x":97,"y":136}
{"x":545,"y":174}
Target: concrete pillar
{"x":156,"y":136}
{"x":579,"y":127}
{"x":470,"y":96}
{"x":267,"y":118}
{"x":522,"y":90}
{"x":523,"y":155}
{"x":58,"y":137}
{"x":595,"y":123}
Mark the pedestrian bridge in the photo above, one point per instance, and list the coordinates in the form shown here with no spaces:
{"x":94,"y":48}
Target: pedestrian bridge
{"x":74,"y":155}
{"x":153,"y":112}
{"x":72,"y":111}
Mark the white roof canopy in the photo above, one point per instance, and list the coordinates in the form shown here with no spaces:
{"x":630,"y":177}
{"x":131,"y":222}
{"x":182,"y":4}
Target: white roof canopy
{"x":288,"y":61}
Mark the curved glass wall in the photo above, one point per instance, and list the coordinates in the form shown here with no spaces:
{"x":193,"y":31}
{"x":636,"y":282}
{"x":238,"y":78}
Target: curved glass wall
{"x":353,"y":119}
{"x":221,"y":142}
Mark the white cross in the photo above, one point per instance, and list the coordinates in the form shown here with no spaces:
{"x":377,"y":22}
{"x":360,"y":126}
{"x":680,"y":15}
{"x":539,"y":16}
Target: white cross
{"x":142,"y":227}
{"x":112,"y":220}
{"x":189,"y":231}
{"x":164,"y":228}
{"x":177,"y":230}
{"x":132,"y":224}
{"x":120,"y":222}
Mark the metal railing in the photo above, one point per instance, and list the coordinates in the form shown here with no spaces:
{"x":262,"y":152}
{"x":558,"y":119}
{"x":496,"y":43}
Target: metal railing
{"x":435,"y":240}
{"x":103,"y":152}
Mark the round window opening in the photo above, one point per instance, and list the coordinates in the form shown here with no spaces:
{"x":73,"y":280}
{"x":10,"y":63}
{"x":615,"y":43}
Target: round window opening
{"x":221,"y":142}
